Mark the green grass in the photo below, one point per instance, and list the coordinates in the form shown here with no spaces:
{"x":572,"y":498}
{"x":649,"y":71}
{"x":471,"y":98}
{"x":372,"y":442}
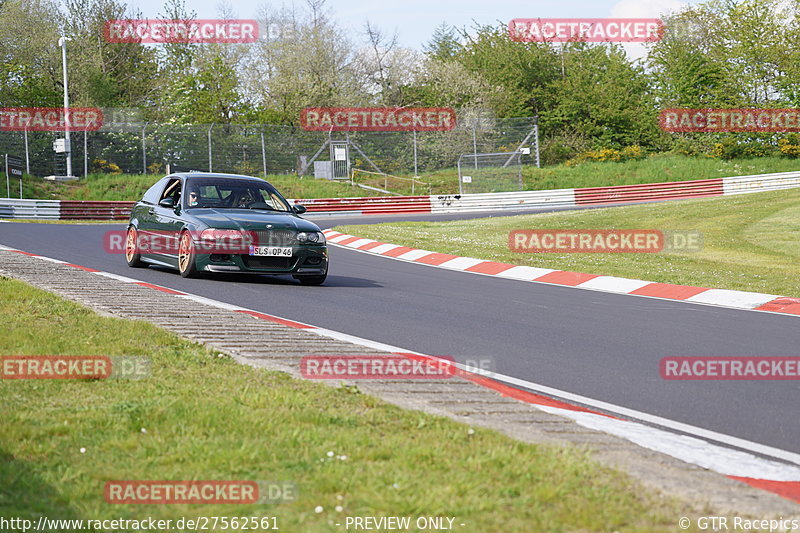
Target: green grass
{"x":751,"y":241}
{"x":205,"y":417}
{"x":656,"y":168}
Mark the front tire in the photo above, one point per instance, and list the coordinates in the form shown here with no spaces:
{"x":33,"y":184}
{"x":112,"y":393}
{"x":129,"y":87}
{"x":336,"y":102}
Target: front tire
{"x":132,"y":255}
{"x":187,"y":257}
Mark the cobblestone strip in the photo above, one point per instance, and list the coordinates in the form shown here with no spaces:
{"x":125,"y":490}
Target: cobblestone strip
{"x":274,"y":346}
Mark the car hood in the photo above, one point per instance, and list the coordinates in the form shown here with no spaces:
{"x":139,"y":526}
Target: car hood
{"x":249,"y":219}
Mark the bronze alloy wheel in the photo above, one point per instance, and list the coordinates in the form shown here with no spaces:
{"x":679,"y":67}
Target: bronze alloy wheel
{"x":186,"y":256}
{"x":132,"y":255}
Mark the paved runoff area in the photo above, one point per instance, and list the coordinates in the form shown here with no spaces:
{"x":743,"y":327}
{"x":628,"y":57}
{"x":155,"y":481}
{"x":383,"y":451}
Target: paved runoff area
{"x":272,"y":343}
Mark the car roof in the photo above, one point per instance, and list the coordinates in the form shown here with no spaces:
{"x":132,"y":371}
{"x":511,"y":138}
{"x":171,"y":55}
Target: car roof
{"x":187,"y":175}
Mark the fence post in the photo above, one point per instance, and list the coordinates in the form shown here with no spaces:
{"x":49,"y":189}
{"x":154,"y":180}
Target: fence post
{"x":85,"y":154}
{"x":263,"y":155}
{"x":536,"y":136}
{"x":27,"y":156}
{"x":210,"y":164}
{"x":415,"y":156}
{"x":475,"y":142}
{"x":144,"y":150}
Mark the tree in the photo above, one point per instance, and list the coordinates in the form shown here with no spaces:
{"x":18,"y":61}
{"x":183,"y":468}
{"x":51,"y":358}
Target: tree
{"x":729,"y":53}
{"x":444,"y":45}
{"x":384,"y":68}
{"x":522,"y":70}
{"x":201,"y":83}
{"x":604,"y":96}
{"x":30,"y":62}
{"x":102,"y":73}
{"x":304,"y":60}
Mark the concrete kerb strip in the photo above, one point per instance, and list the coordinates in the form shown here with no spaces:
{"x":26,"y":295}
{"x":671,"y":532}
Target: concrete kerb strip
{"x":278,"y":344}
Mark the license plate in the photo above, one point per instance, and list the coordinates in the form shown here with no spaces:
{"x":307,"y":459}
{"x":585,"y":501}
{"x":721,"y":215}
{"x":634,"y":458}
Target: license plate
{"x":271,"y":251}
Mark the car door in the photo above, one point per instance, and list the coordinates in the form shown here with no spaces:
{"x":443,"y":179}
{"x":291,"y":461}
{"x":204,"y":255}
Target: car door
{"x":166,"y":223}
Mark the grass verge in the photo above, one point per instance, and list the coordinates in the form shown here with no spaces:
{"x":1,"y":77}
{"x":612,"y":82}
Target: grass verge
{"x":751,"y":242}
{"x":202,"y":416}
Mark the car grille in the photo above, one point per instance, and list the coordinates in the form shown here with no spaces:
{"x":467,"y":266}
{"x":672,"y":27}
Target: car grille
{"x":279,"y":263}
{"x":276,"y":238}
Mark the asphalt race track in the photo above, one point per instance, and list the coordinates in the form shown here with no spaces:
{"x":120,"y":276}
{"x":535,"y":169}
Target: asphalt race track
{"x":600,"y":345}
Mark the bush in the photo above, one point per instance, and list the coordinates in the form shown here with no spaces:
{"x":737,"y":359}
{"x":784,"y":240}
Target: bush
{"x":629,"y":153}
{"x":562,"y":147}
{"x":101,"y":166}
{"x":790,"y":147}
{"x":729,"y":148}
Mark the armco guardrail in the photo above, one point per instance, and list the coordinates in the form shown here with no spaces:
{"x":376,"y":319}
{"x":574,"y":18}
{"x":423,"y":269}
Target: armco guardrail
{"x":760,"y":183}
{"x":446,"y":203}
{"x":648,"y":192}
{"x":89,"y":210}
{"x":450,"y":203}
{"x":43,"y":209}
{"x":369,"y":205}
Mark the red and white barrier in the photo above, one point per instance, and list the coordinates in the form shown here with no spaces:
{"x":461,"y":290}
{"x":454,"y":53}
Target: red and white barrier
{"x":447,"y":203}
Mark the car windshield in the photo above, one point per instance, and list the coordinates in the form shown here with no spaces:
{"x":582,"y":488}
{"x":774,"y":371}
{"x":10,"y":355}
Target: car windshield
{"x":221,"y":193}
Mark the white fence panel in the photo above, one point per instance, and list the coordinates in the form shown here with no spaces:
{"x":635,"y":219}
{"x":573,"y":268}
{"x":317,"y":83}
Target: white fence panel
{"x":760,"y":183}
{"x":44,"y":209}
{"x":450,"y":203}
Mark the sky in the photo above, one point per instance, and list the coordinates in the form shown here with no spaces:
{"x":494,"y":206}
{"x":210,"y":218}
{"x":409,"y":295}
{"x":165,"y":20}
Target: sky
{"x":415,"y":20}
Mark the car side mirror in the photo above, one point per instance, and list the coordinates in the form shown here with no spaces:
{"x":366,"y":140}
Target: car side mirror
{"x":299,"y":209}
{"x":168,"y":202}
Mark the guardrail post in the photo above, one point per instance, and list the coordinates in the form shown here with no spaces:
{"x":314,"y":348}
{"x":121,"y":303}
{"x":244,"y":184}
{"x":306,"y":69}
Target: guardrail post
{"x":475,"y":142}
{"x":85,"y":154}
{"x":144,"y":150}
{"x":415,"y":160}
{"x":263,"y":154}
{"x":210,"y":164}
{"x":27,"y":156}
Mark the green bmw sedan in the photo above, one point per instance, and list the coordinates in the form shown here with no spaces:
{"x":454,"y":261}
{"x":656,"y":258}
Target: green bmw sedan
{"x":201,"y":222}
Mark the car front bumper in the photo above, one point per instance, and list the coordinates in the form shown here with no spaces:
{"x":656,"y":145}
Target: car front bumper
{"x":305,"y":260}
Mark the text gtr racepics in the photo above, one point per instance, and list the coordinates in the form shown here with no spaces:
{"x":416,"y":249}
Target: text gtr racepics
{"x":203,"y":222}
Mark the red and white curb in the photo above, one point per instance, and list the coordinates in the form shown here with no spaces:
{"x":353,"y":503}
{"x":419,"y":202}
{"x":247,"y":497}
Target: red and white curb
{"x":754,"y":301}
{"x":772,"y":469}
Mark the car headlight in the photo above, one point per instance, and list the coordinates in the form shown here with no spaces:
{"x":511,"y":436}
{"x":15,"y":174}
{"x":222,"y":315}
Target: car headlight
{"x":314,"y":237}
